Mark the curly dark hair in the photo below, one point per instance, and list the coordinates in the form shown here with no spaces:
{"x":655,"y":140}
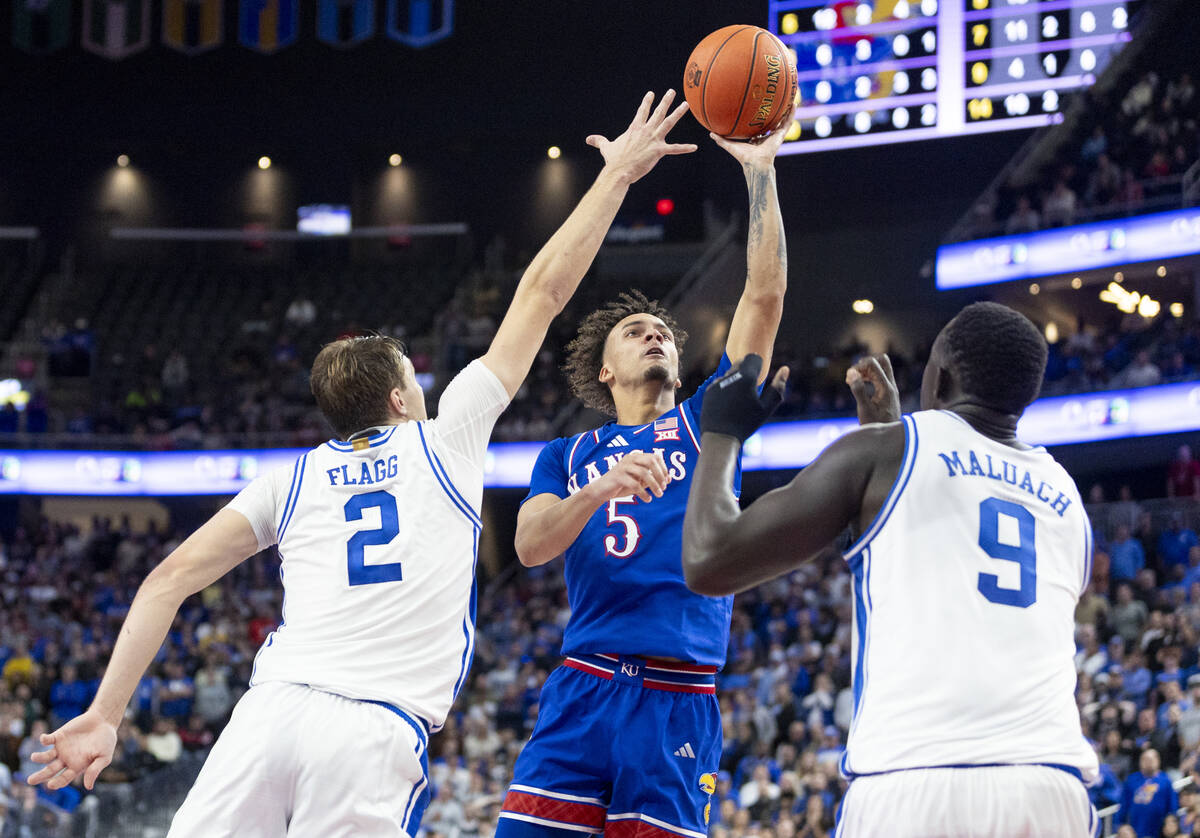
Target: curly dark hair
{"x":998,"y":354}
{"x":585,"y":354}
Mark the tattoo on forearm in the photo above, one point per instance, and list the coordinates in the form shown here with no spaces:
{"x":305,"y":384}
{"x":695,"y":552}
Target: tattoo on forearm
{"x":760,"y":184}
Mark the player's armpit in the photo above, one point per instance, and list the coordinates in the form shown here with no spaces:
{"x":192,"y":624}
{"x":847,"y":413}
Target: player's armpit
{"x":726,"y":550}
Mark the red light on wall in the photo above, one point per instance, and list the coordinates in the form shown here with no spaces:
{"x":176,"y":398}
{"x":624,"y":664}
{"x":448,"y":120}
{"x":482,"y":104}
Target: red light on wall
{"x":665,"y":206}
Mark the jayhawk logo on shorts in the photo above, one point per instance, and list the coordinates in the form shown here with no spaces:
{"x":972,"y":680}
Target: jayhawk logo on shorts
{"x":708,"y":785}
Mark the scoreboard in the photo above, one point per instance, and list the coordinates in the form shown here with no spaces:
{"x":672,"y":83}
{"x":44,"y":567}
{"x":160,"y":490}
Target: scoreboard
{"x":883,"y":71}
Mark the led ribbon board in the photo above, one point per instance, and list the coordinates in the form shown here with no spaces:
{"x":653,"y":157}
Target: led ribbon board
{"x":1062,"y":420}
{"x":1103,"y":244}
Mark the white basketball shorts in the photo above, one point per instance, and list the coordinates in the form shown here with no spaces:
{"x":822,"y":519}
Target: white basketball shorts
{"x":298,"y":762}
{"x":1004,"y":801}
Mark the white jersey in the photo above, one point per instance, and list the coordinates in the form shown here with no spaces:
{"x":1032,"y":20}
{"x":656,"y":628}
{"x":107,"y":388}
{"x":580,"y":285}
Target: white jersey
{"x":378,"y":539}
{"x":965,"y":587}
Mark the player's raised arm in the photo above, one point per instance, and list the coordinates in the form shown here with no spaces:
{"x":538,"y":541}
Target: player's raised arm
{"x":726,"y":550}
{"x":556,"y":271}
{"x":756,"y":319}
{"x":84,"y":745}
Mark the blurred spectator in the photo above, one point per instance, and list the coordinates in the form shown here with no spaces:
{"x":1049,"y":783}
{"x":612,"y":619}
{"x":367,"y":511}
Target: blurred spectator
{"x":1141,"y":372}
{"x":1058,"y":210}
{"x":1183,"y":475}
{"x":1175,"y":544}
{"x":1126,"y":555}
{"x":1024,"y":219}
{"x":1148,"y":796}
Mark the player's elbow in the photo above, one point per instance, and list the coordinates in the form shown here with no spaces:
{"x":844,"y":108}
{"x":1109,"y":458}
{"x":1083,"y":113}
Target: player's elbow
{"x":529,"y":552}
{"x":700,"y":572}
{"x":544,"y":290}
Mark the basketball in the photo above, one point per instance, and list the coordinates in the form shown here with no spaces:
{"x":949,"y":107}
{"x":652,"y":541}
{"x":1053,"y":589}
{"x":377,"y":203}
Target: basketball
{"x":740,"y":82}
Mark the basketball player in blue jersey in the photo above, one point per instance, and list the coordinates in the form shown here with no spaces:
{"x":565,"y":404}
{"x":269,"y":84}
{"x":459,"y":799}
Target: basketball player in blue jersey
{"x":628,"y":735}
{"x":972,"y":550}
{"x":377,"y":533}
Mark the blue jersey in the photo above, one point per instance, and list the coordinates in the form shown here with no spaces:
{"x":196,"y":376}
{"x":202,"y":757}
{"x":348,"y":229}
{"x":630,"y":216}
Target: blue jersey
{"x":624,"y":572}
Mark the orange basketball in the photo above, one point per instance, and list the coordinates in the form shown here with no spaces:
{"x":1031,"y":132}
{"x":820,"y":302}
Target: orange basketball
{"x":740,"y":82}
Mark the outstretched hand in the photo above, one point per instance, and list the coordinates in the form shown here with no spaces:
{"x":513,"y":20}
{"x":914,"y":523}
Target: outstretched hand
{"x":875,"y":392}
{"x":733,"y":405}
{"x":635,"y":152}
{"x":758,"y":152}
{"x":83,"y":746}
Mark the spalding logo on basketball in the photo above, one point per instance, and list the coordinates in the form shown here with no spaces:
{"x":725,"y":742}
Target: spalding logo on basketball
{"x":740,"y":82}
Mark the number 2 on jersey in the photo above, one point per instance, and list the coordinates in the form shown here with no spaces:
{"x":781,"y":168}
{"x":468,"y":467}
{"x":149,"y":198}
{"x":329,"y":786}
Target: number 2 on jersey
{"x":389,"y":526}
{"x":1024,"y":552}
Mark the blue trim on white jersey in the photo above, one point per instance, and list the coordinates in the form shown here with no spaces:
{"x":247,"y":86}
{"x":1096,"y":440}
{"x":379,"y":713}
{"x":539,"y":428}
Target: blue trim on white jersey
{"x":282,"y":622}
{"x":1087,"y":554}
{"x":447,"y":486}
{"x":861,"y":569}
{"x":298,"y":481}
{"x":373,"y":441}
{"x":437,"y":462}
{"x":469,"y":621}
{"x":906,"y":469}
{"x":1069,"y":769}
{"x":287,"y":503}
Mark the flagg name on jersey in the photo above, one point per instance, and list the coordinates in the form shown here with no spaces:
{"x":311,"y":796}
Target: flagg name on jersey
{"x":676,"y":467}
{"x":969,"y":464}
{"x":370,"y":473}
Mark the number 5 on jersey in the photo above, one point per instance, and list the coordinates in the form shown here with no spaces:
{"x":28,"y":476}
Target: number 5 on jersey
{"x":612,"y":542}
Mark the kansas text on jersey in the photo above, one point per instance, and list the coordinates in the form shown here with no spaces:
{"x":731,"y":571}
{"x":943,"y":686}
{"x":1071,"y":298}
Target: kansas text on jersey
{"x":624,"y":571}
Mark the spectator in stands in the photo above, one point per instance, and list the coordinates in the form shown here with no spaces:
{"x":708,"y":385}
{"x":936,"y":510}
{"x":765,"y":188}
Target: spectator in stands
{"x":1148,"y":796}
{"x":1127,"y":557}
{"x":300,"y":314}
{"x":68,"y":696}
{"x":175,"y":373}
{"x":1183,"y":475}
{"x":1188,"y":727}
{"x":1058,"y":210}
{"x":1175,"y":544}
{"x":1024,"y":219}
{"x":1141,"y":372}
{"x":1094,"y":147}
{"x":1104,"y":184}
{"x":176,"y":693}
{"x":163,"y":742}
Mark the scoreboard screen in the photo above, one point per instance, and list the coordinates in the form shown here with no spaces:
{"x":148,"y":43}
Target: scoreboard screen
{"x":883,"y":71}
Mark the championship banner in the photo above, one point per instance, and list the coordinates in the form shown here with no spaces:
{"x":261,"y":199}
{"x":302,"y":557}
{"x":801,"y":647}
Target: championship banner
{"x":193,"y":26}
{"x":116,"y":29}
{"x":41,"y":26}
{"x":345,"y":23}
{"x":419,"y":23}
{"x":268,"y":25}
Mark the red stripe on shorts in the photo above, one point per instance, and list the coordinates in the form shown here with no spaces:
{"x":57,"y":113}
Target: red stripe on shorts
{"x":550,"y":808}
{"x":634,"y":828}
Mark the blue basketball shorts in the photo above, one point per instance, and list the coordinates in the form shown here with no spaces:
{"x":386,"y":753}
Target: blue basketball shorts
{"x":625,"y":746}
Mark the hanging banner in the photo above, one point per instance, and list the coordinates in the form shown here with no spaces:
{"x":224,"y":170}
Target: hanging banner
{"x":419,"y":23}
{"x":268,"y":25}
{"x":193,"y":26}
{"x":116,"y":29}
{"x":345,"y":23}
{"x":41,"y":26}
